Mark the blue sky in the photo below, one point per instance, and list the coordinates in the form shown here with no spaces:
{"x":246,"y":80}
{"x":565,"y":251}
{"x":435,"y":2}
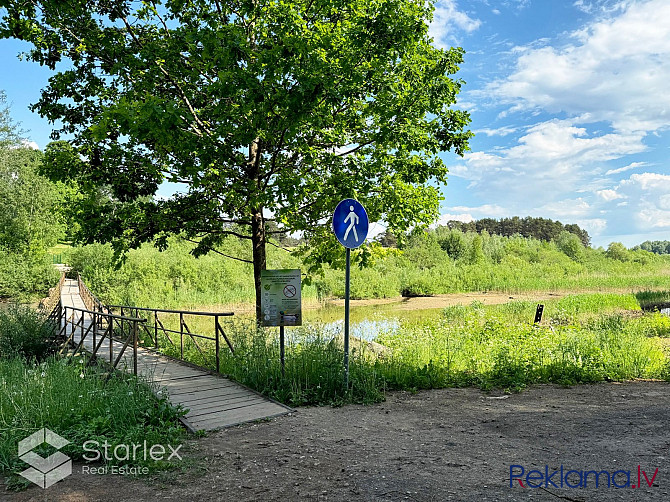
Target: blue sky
{"x":570,"y":104}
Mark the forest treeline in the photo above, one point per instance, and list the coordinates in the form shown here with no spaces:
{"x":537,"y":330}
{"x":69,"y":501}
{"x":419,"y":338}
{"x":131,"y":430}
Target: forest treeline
{"x":542,"y":229}
{"x":658,"y":247}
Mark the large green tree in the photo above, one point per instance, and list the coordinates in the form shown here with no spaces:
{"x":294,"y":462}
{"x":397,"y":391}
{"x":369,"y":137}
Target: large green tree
{"x":29,"y":222}
{"x":260,"y":109}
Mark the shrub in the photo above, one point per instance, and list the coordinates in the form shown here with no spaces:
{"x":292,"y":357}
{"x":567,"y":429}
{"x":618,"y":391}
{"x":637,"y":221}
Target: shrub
{"x":454,"y":244}
{"x":24,"y":333}
{"x":617,"y":251}
{"x":571,"y":245}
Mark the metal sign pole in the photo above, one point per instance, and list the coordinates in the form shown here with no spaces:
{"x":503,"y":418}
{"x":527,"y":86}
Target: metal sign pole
{"x":281,"y":351}
{"x":350,"y":226}
{"x":346,"y":320}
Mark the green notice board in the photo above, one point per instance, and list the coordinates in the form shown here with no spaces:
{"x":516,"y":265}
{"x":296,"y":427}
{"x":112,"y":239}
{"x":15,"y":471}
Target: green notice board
{"x":280,"y":299}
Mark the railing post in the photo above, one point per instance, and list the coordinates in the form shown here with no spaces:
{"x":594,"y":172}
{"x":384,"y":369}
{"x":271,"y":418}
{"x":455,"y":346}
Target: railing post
{"x":95,"y":328}
{"x":156,"y":329}
{"x":181,"y":334}
{"x":60,"y":314}
{"x":216,"y":343}
{"x":83,"y":318}
{"x":135,"y":347}
{"x":65,"y":322}
{"x":110,"y":335}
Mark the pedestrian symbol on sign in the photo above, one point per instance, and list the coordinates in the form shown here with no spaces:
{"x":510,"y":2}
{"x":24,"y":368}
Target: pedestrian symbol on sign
{"x":353,"y":218}
{"x":350,"y":223}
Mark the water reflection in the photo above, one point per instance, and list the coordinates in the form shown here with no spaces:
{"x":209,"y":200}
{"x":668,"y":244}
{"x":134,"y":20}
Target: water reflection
{"x":365,"y":330}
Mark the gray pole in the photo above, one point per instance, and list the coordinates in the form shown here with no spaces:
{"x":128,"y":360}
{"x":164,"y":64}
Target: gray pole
{"x":281,"y":350}
{"x":346,"y":320}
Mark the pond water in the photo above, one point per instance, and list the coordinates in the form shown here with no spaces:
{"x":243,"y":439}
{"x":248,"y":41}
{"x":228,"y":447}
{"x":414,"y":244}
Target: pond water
{"x":368,"y":321}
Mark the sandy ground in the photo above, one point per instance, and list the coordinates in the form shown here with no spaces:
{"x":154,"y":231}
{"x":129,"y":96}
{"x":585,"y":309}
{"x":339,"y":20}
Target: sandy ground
{"x":451,"y":444}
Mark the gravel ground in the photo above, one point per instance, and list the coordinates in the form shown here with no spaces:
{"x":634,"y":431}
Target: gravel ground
{"x":451,"y":444}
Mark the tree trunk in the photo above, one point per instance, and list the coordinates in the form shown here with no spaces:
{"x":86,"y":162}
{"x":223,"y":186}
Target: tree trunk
{"x":258,"y":243}
{"x":257,"y":226}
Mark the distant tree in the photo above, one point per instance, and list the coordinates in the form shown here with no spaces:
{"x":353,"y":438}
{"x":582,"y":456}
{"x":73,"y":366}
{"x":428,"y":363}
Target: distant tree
{"x":260,"y":110}
{"x":477,"y":250}
{"x":579,"y":232}
{"x":571,"y":245}
{"x":537,"y":228}
{"x":454,"y":244}
{"x":29,"y":219}
{"x":10,"y":131}
{"x":657,"y":247}
{"x":387,"y":239}
{"x":617,"y":251}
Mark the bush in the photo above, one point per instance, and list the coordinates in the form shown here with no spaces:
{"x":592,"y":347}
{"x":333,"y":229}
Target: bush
{"x":617,"y":251}
{"x":454,"y":244}
{"x":571,"y":245}
{"x":24,"y":333}
{"x":23,"y":277}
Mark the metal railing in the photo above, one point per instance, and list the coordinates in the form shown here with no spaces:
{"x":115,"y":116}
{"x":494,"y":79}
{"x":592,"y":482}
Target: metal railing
{"x":90,"y":300}
{"x":155,"y":329}
{"x":48,"y":304}
{"x":100,"y":326}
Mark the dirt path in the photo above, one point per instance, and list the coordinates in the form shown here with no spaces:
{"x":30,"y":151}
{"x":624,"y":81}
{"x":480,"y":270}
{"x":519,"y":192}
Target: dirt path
{"x":451,"y":444}
{"x":437,"y":301}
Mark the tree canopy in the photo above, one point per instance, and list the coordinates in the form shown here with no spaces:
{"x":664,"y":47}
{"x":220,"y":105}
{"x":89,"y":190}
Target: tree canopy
{"x":543,"y":229}
{"x":259,"y":110}
{"x":29,"y":223}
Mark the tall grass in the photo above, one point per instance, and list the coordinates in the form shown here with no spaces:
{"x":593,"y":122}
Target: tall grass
{"x":583,"y":338}
{"x":80,"y":403}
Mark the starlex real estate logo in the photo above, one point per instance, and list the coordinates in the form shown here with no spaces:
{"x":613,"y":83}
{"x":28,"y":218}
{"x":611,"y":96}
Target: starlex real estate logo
{"x":44,"y":472}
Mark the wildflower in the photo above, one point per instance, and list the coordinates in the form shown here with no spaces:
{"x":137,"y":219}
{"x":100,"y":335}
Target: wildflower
{"x":44,"y":374}
{"x":81,"y":375}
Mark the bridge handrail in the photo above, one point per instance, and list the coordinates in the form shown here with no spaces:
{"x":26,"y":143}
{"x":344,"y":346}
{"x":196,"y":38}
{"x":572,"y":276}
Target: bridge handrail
{"x":97,"y":320}
{"x":48,"y":304}
{"x":184,"y":330}
{"x":96,"y":307}
{"x":169,"y":311}
{"x":90,"y":300}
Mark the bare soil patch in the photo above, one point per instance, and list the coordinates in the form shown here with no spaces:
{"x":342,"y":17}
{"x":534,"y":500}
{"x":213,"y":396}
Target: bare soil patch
{"x":449,"y":444}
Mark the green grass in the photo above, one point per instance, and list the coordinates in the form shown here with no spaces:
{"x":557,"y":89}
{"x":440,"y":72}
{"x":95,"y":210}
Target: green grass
{"x":583,"y":338}
{"x":80,"y":403}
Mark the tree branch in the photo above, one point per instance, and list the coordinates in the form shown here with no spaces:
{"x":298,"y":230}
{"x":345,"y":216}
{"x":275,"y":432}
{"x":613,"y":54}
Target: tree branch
{"x":219,"y":252}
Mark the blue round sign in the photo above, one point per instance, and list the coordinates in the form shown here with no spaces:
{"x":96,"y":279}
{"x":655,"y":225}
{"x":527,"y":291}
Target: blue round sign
{"x":350,"y":223}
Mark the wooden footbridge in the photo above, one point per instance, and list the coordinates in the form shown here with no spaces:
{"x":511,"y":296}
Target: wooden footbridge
{"x":124,"y":338}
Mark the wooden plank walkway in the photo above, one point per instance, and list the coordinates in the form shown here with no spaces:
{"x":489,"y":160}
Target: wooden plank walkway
{"x":213,"y":401}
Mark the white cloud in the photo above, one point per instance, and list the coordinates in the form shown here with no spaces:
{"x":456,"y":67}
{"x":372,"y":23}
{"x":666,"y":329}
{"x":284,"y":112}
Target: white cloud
{"x":447,"y":217}
{"x":448,"y":21}
{"x":617,"y":71}
{"x":648,"y":203}
{"x":567,"y":209}
{"x":594,"y":226}
{"x":483,"y":211}
{"x":633,"y":165}
{"x":500,"y":131}
{"x":550,"y":160}
{"x":609,"y":195}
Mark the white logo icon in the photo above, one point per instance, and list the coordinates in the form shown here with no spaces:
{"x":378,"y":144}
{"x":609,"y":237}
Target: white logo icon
{"x":44,"y":472}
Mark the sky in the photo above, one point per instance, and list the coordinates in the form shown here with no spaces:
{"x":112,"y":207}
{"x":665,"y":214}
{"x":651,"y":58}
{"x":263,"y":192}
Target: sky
{"x":570,"y":106}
